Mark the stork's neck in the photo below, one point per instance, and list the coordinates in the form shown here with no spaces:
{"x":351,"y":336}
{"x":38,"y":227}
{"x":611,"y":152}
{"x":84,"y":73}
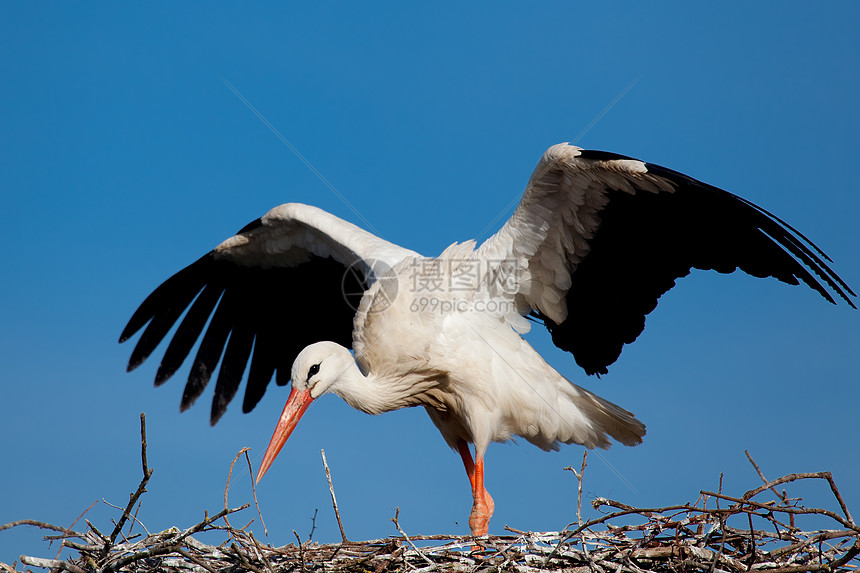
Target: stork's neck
{"x":374,"y":394}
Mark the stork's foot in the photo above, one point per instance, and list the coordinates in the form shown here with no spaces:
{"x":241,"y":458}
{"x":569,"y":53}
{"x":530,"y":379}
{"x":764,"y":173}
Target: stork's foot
{"x":482,"y":511}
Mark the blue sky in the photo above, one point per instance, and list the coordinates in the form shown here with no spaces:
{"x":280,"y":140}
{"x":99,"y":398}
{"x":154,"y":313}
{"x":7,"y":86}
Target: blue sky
{"x":125,"y":157}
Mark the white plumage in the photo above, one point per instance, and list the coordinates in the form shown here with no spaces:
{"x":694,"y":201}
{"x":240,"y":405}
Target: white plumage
{"x":595,"y":241}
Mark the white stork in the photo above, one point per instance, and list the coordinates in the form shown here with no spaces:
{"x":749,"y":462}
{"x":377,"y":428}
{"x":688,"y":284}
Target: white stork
{"x":595,"y":241}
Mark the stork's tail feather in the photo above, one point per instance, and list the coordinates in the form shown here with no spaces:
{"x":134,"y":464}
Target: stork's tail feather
{"x":611,"y":419}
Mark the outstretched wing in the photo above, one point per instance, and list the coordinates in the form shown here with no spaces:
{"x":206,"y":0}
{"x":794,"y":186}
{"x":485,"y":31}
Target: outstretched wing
{"x":599,"y":237}
{"x":289,"y":279}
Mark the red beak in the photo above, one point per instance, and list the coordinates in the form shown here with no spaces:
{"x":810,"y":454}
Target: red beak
{"x":297,"y":403}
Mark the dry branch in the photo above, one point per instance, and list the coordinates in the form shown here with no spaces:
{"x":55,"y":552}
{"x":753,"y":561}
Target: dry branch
{"x":333,"y":498}
{"x":147,"y":473}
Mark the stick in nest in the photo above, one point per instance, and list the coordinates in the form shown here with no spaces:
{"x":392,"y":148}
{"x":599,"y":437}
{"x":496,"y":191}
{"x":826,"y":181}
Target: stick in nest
{"x":396,"y":521}
{"x":579,"y":477}
{"x":253,"y":487}
{"x":333,"y":498}
{"x":147,"y":473}
{"x":783,"y":496}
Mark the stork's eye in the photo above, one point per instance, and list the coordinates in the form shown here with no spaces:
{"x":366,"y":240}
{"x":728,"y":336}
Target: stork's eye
{"x":313,"y":370}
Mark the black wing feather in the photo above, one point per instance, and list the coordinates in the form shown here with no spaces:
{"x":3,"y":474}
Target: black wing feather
{"x":188,"y":332}
{"x":262,"y":315}
{"x":210,"y":350}
{"x":647,"y":240}
{"x":232,"y":367}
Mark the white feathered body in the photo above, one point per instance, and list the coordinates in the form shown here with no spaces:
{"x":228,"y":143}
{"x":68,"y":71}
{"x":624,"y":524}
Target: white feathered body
{"x":433,"y":333}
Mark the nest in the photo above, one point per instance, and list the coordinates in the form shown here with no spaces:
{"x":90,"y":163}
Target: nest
{"x":677,"y":539}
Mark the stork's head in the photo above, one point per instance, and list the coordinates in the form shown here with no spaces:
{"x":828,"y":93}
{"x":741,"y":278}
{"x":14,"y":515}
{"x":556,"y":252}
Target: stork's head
{"x":315,"y":370}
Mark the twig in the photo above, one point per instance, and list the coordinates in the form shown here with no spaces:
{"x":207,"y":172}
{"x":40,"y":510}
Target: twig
{"x":51,"y":564}
{"x":259,"y":550}
{"x":801,"y":544}
{"x":396,"y":521}
{"x":600,"y":501}
{"x":783,"y":496}
{"x":147,"y":473}
{"x":301,"y":550}
{"x":245,"y":561}
{"x":849,"y":555}
{"x":752,"y":543}
{"x":313,"y":524}
{"x":581,"y":476}
{"x":143,"y":444}
{"x":95,"y":530}
{"x":81,"y":546}
{"x":722,"y":534}
{"x":40,"y":525}
{"x":814,"y":475}
{"x":254,"y":492}
{"x":201,"y":562}
{"x":720,"y":490}
{"x":761,"y":475}
{"x":798,"y":510}
{"x":133,"y":517}
{"x":835,"y":490}
{"x":333,"y":498}
{"x":229,"y":477}
{"x":83,"y":513}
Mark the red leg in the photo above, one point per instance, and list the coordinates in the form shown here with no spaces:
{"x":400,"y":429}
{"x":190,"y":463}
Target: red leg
{"x":482,"y":506}
{"x":467,"y":462}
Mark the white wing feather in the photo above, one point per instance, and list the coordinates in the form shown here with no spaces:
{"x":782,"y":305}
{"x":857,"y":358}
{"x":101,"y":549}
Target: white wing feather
{"x":548,"y":234}
{"x":291,"y":233}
